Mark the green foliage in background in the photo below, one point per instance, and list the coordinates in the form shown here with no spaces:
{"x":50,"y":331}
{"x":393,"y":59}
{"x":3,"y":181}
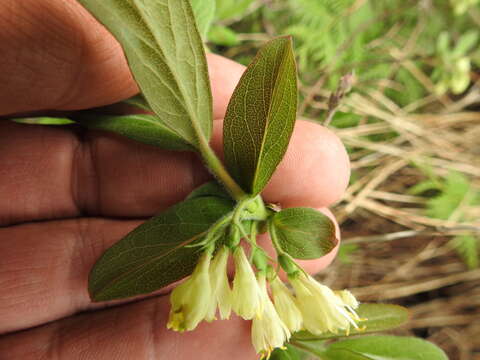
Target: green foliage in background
{"x":384,"y":42}
{"x":453,"y":196}
{"x":373,"y":37}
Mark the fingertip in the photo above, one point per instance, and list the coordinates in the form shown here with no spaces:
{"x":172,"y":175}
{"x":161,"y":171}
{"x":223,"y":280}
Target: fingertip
{"x":220,"y":339}
{"x":314,"y":172}
{"x":224,"y":76}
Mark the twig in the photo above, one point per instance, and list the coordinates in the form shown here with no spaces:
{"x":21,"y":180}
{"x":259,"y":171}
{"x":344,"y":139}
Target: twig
{"x":344,"y":86}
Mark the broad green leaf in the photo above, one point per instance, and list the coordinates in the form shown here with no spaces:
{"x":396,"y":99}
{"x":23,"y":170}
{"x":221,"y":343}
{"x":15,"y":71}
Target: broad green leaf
{"x":222,"y":35}
{"x":379,"y":317}
{"x":211,"y":188}
{"x":44,"y":121}
{"x":228,"y":9}
{"x":261,"y":115}
{"x":204,"y":14}
{"x":148,"y":129}
{"x":289,"y":353}
{"x":314,"y":347}
{"x":167,"y":59}
{"x":154,"y":254}
{"x":384,"y":348}
{"x":304,"y":233}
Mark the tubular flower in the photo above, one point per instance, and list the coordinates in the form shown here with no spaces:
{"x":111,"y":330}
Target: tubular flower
{"x":347,"y":298}
{"x":191,"y":300}
{"x":349,"y":302}
{"x":246,"y":295}
{"x":286,"y":306}
{"x":221,"y":292}
{"x":321,"y":308}
{"x":268,"y":330}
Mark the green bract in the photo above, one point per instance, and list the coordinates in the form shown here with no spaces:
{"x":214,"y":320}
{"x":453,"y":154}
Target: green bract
{"x":303,"y":233}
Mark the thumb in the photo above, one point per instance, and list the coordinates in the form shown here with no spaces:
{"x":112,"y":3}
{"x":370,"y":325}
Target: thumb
{"x":56,"y":56}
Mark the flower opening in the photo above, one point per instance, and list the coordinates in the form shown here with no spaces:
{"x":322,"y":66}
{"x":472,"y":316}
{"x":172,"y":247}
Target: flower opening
{"x":221,"y":292}
{"x":286,"y":305}
{"x":321,"y":308}
{"x":268,"y":330}
{"x":191,"y":300}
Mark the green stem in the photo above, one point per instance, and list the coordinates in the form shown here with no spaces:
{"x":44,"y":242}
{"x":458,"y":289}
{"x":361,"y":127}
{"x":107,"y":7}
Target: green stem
{"x":274,"y":239}
{"x":216,"y":167}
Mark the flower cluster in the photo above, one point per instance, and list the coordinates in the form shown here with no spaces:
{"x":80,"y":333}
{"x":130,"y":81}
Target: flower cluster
{"x":275,"y":314}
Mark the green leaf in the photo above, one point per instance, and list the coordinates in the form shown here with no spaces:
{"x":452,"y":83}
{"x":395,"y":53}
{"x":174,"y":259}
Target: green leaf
{"x":304,"y":233}
{"x":44,"y":120}
{"x":211,"y":188}
{"x":139,"y":102}
{"x":453,"y":192}
{"x":314,"y":347}
{"x":345,"y":252}
{"x":466,"y":43}
{"x":222,"y":35}
{"x":289,"y":353}
{"x":227,"y":9}
{"x":154,"y":254}
{"x":384,"y":348}
{"x":261,"y":115}
{"x":167,"y":59}
{"x":204,"y":14}
{"x":379,"y":317}
{"x":468,"y":247}
{"x":148,"y":129}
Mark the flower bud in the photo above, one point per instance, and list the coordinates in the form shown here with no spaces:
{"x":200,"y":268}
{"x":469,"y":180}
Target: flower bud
{"x":246,"y":299}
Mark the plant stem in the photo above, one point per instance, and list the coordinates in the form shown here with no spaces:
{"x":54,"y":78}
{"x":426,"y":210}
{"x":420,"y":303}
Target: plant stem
{"x":274,"y":239}
{"x":215,"y":166}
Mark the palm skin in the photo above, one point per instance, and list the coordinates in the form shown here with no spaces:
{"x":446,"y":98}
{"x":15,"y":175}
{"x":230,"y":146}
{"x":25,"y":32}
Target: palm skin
{"x":66,"y":195}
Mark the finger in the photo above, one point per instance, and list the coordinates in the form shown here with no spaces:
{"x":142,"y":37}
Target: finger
{"x":52,"y":173}
{"x":44,"y":271}
{"x":55,"y":55}
{"x":135,"y":331}
{"x":44,"y":276}
{"x":314,"y":171}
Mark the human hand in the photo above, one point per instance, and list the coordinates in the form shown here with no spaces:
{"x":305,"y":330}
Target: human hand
{"x":67,"y":195}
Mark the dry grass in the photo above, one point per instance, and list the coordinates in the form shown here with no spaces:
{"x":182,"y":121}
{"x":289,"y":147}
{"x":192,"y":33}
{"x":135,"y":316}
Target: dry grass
{"x":404,"y":256}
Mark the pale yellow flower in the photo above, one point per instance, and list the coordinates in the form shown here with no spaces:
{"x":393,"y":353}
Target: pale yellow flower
{"x":268,"y":330}
{"x":246,"y":295}
{"x":322,"y":310}
{"x":349,"y":302}
{"x":191,"y":300}
{"x":286,"y":305}
{"x":347,"y":298}
{"x":221,"y":292}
